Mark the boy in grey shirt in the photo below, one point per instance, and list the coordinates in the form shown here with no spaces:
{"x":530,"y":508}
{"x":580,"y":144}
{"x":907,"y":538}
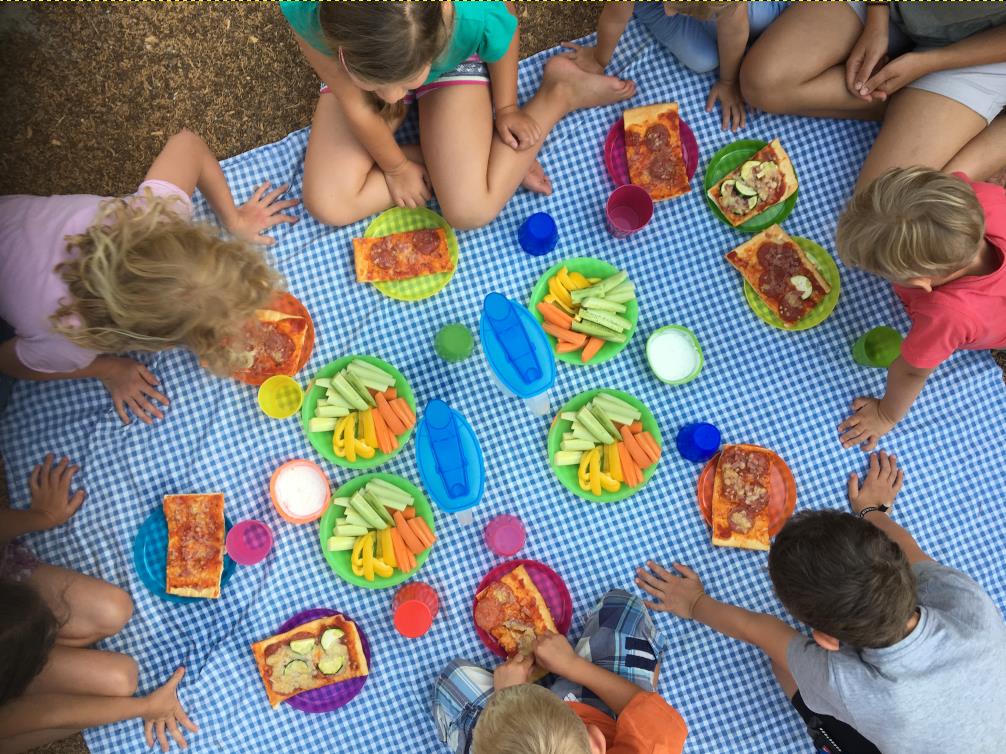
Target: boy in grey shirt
{"x":907,"y":655}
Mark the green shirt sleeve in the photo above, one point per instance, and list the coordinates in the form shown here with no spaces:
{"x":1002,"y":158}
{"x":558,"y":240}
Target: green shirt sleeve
{"x":497,"y":31}
{"x":302,"y":15}
{"x":480,"y":28}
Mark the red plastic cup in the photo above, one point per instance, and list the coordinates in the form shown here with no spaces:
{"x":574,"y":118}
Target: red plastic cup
{"x":505,"y":535}
{"x":248,"y":542}
{"x":415,"y":606}
{"x":629,"y":209}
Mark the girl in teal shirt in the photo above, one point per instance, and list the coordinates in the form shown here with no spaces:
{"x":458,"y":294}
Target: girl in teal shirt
{"x":445,"y":55}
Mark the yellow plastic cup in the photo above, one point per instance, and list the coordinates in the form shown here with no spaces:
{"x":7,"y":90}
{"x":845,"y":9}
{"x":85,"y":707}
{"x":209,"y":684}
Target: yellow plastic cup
{"x":280,"y":397}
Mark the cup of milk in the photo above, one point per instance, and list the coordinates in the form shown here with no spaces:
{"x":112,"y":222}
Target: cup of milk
{"x":299,"y":491}
{"x":674,"y":355}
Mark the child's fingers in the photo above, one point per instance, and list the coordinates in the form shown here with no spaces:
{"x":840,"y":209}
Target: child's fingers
{"x":185,"y":721}
{"x":648,"y":578}
{"x":571,"y":45}
{"x":892,"y":472}
{"x":652,"y":591}
{"x":76,"y":501}
{"x":259,"y":191}
{"x":711,"y":101}
{"x":147,"y":375}
{"x":684,"y":570}
{"x":871,"y":443}
{"x":138,"y":412}
{"x":148,"y":732}
{"x":852,"y":486}
{"x":47,"y":465}
{"x":120,"y":409}
{"x":176,"y":734}
{"x":156,"y":395}
{"x":276,"y":194}
{"x":161,"y":737}
{"x":279,"y":219}
{"x":655,"y":607}
{"x":874,"y":466}
{"x":659,"y":569}
{"x":66,"y":477}
{"x":35,"y":479}
{"x":280,"y":206}
{"x":898,"y":481}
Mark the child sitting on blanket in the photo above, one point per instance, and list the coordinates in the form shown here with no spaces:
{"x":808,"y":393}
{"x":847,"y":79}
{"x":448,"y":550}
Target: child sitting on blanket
{"x":52,"y":682}
{"x":85,"y":277}
{"x":702,"y":35}
{"x":907,"y":655}
{"x":372,"y":57}
{"x":602,"y":698}
{"x":941,"y":241}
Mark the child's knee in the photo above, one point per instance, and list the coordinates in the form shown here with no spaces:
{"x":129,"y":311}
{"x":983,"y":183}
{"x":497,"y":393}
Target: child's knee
{"x":763,"y":86}
{"x":328,"y":206}
{"x":114,"y":611}
{"x":121,"y":675}
{"x":468,"y":215}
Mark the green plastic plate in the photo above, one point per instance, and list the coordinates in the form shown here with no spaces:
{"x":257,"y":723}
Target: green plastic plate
{"x":589,"y":268}
{"x":729,"y":158}
{"x":322,"y":441}
{"x":399,"y":220}
{"x":567,"y":474}
{"x":829,"y":271}
{"x":340,"y":561}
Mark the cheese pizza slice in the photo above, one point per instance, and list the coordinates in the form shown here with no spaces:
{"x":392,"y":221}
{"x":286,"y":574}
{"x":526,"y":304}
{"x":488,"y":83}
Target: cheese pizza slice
{"x":653,"y":150}
{"x":741,"y":492}
{"x":311,"y":656}
{"x":781,"y":273}
{"x":195,"y":561}
{"x":513,"y":612}
{"x":763,"y":181}
{"x":401,"y":256}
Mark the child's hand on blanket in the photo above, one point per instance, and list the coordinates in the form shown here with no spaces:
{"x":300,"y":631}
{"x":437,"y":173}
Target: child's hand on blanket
{"x":51,"y":502}
{"x":866,"y":425}
{"x":131,"y":386}
{"x":675,"y":594}
{"x":164,"y":712}
{"x":409,"y":184}
{"x":514,"y":672}
{"x":518,"y":130}
{"x":880,"y":485}
{"x":733,"y":108}
{"x":261,"y":212}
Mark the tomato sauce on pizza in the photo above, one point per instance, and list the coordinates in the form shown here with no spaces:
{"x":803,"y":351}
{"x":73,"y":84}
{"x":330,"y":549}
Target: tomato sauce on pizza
{"x":741,"y":491}
{"x":401,"y":256}
{"x":653,"y":150}
{"x":195,"y":558}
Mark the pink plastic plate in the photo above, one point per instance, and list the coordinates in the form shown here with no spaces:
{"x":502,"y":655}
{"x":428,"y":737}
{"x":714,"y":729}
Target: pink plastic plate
{"x":614,"y":152}
{"x":550,"y":584}
{"x":328,"y":698}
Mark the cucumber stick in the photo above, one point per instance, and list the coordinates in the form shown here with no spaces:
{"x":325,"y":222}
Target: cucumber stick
{"x":567,"y":458}
{"x":606,"y":319}
{"x":379,"y":383}
{"x":322,"y":424}
{"x":579,"y":432}
{"x":606,"y":422}
{"x":594,"y":426}
{"x":617,"y":405}
{"x":334,"y":398}
{"x":325,"y":382}
{"x":389,"y":490}
{"x":347,"y":530}
{"x":341,"y":543}
{"x":376,"y":506}
{"x":360,"y":388}
{"x":363,"y":509}
{"x":330,"y":412}
{"x":568,"y":416}
{"x":580,"y":445}
{"x":603,"y":305}
{"x":604,"y":333}
{"x":348,"y":394}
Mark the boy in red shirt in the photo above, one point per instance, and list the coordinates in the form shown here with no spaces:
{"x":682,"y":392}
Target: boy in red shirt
{"x":941,"y":241}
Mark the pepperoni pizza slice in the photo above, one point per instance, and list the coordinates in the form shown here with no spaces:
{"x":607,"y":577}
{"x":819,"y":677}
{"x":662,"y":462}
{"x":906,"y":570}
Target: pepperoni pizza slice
{"x":311,"y":656}
{"x":195,"y":562}
{"x":781,"y":274}
{"x":513,"y":612}
{"x":763,"y":181}
{"x":653,"y":150}
{"x":274,"y":342}
{"x":741,"y":491}
{"x":401,"y":256}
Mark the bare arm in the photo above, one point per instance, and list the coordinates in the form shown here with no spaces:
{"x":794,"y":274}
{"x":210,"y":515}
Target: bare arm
{"x":732,"y":34}
{"x":503,"y":73}
{"x":51,"y":501}
{"x":985,"y":47}
{"x":553,"y":653}
{"x":34,"y":712}
{"x":904,"y":383}
{"x":11,"y":365}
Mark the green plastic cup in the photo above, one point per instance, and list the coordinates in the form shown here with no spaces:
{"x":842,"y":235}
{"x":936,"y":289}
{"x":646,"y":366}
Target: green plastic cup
{"x":454,"y":342}
{"x":877,"y":348}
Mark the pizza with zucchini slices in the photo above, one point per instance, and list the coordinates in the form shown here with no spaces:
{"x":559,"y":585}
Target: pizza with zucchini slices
{"x":513,"y":612}
{"x":741,"y":491}
{"x":195,"y":561}
{"x":763,"y":181}
{"x":653,"y":150}
{"x":781,"y":274}
{"x":317,"y":654}
{"x":401,"y":256}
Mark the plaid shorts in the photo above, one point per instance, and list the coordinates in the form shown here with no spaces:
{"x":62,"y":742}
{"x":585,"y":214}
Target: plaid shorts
{"x":618,"y":635}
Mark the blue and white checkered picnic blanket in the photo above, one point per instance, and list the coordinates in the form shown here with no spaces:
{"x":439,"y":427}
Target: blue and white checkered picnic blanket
{"x":786,"y":391}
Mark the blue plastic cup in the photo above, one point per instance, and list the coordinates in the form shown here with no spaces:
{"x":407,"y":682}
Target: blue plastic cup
{"x":538,"y":234}
{"x":698,"y":441}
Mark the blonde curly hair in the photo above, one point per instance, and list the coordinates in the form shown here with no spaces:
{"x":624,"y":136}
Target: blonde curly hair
{"x":143,"y":278}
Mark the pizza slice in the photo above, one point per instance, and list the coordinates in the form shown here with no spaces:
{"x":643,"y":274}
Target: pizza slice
{"x":513,"y":612}
{"x":401,"y":256}
{"x":781,"y":273}
{"x":766,"y":179}
{"x":653,"y":150}
{"x":274,"y":342}
{"x":741,"y":493}
{"x":311,"y":656}
{"x":195,"y":560}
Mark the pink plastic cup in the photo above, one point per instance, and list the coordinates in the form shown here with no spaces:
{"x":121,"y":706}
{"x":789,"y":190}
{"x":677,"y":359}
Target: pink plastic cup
{"x":248,"y":542}
{"x":505,"y":535}
{"x":415,"y":606}
{"x":628,"y":210}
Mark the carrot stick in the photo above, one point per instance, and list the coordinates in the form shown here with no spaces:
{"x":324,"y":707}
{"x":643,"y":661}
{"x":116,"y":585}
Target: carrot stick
{"x":401,"y":408}
{"x":636,"y":427}
{"x":391,"y":393}
{"x":412,"y":522}
{"x":411,"y":540}
{"x":401,"y":551}
{"x":421,"y":523}
{"x":412,"y":559}
{"x":638,"y":455}
{"x":563,"y":347}
{"x":629,"y":469}
{"x":565,"y":335}
{"x":383,"y":433}
{"x":409,"y":512}
{"x":404,"y":405}
{"x":394,"y":423}
{"x":555,"y":316}
{"x":590,"y":350}
{"x":649,"y":444}
{"x":651,"y":456}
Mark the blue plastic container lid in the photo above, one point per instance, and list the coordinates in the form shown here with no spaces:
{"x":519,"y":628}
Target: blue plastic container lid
{"x":516,"y":347}
{"x":451,"y":465}
{"x":538,"y":234}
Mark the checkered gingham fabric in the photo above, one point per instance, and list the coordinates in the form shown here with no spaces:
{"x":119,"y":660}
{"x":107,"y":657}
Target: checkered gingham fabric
{"x":786,"y":391}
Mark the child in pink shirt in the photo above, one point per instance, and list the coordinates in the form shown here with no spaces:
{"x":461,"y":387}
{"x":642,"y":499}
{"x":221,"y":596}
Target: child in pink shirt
{"x":941,"y":241}
{"x":85,"y":277}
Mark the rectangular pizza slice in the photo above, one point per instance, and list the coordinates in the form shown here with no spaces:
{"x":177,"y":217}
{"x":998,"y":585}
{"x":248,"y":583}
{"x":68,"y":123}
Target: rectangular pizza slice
{"x":741,"y":493}
{"x":311,"y":656}
{"x":763,"y":181}
{"x":653,"y":150}
{"x":195,"y":561}
{"x":401,"y":256}
{"x":781,"y":273}
{"x":513,"y":612}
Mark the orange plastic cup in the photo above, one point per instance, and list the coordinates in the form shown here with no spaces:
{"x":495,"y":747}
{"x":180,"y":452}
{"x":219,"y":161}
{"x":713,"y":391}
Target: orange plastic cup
{"x":286,"y":468}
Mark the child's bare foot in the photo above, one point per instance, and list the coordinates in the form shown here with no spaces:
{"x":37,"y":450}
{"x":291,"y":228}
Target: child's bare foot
{"x":580,"y":89}
{"x":537,"y":181}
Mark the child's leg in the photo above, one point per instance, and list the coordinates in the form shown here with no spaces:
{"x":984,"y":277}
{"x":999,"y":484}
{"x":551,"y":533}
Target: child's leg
{"x":619,"y":636}
{"x":984,"y":155}
{"x":90,"y":609}
{"x":460,"y":692}
{"x":691,"y":41}
{"x":341,"y":182}
{"x":473,"y":172}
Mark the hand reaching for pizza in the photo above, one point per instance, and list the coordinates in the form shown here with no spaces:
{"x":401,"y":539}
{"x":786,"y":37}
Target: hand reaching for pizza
{"x":675,"y":594}
{"x":409,"y":184}
{"x":866,"y":425}
{"x":164,"y":711}
{"x":880,"y":486}
{"x":554,"y":653}
{"x":517,"y":129}
{"x":51,"y":502}
{"x":514,"y":672}
{"x":260,"y":212}
{"x":733,"y":108}
{"x":131,"y":386}
{"x":585,"y":57}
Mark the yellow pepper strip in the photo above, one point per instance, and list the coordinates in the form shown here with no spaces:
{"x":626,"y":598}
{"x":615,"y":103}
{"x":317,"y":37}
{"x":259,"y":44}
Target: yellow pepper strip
{"x":609,"y":484}
{"x":349,"y":438}
{"x":595,"y":471}
{"x":579,"y":280}
{"x":564,"y":280}
{"x":359,"y":426}
{"x":356,"y":560}
{"x":382,"y":569}
{"x":338,"y":445}
{"x":388,"y":548}
{"x":369,"y":430}
{"x":581,"y":474}
{"x":556,"y":289}
{"x":614,"y":463}
{"x":362,"y":449}
{"x":368,"y":556}
{"x":593,"y":281}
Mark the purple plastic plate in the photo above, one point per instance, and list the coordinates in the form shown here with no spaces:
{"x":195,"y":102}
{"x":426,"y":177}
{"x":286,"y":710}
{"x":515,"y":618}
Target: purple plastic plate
{"x":328,"y":698}
{"x":550,"y":584}
{"x":614,"y":152}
